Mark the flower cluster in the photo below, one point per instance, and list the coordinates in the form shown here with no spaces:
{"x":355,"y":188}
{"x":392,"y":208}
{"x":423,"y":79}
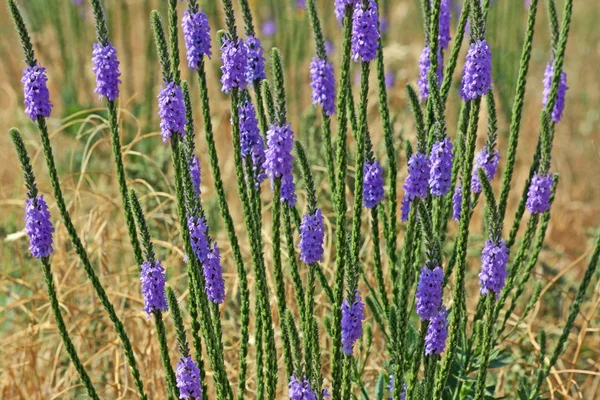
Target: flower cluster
{"x":106,"y":67}
{"x":251,"y":142}
{"x":488,"y":161}
{"x":391,"y":389}
{"x":311,"y":237}
{"x":322,"y":83}
{"x":288,"y":190}
{"x":424,"y":66}
{"x":441,"y":159}
{"x":195,"y":173}
{"x":39,"y":227}
{"x":437,"y":333}
{"x":278,"y":160}
{"x":171,"y":110}
{"x":340,"y":8}
{"x":152,"y":279}
{"x":235,"y":65}
{"x":494,"y":258}
{"x":457,"y":202}
{"x":365,"y":33}
{"x":373,"y":184}
{"x":416,"y":182}
{"x":199,"y":238}
{"x":352,"y":318}
{"x":477,"y":72}
{"x":300,"y":389}
{"x":445,"y":17}
{"x":429,"y":291}
{"x":188,"y":378}
{"x":255,"y":69}
{"x":37,"y":96}
{"x":213,"y":276}
{"x":559,"y":106}
{"x":538,"y":196}
{"x":196,"y":33}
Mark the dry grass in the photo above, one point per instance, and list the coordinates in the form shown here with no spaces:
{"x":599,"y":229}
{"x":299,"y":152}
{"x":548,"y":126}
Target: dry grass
{"x":35,"y":364}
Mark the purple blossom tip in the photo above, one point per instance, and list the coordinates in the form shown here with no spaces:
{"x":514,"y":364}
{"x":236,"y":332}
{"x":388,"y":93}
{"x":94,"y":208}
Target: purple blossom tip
{"x":437,"y":333}
{"x":171,"y":110}
{"x":152,"y":279}
{"x":235,"y":63}
{"x":365,"y":33}
{"x":37,"y":97}
{"x":322,"y":83}
{"x":372,"y":184}
{"x":457,"y":202}
{"x":391,"y":389}
{"x":188,"y":379}
{"x":300,"y":389}
{"x":445,"y":17}
{"x":39,"y":227}
{"x":416,"y":182}
{"x":311,"y":237}
{"x":106,"y":67}
{"x":477,"y":72}
{"x":440,"y":175}
{"x":195,"y":173}
{"x":340,"y":8}
{"x":352,"y":318}
{"x":489,"y":163}
{"x":251,"y":141}
{"x":538,"y":196}
{"x":269,"y":28}
{"x":255,"y":70}
{"x":559,"y":106}
{"x":198,"y":237}
{"x":429,"y":292}
{"x":196,"y":33}
{"x":280,"y":141}
{"x":424,"y":66}
{"x":288,"y":190}
{"x":213,"y":276}
{"x":494,"y":258}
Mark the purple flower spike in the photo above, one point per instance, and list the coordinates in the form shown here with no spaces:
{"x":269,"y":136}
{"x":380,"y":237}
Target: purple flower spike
{"x":352,"y":318}
{"x":251,"y":141}
{"x":562,"y":90}
{"x":280,"y":141}
{"x":322,"y":83}
{"x":441,"y":158}
{"x":445,"y":17}
{"x":390,"y":79}
{"x":37,"y":97}
{"x":199,"y":240}
{"x":477,"y":73}
{"x":269,"y":28}
{"x":340,"y":8}
{"x":195,"y":173}
{"x":494,"y":258}
{"x":288,"y":190}
{"x":300,"y":389}
{"x":311,"y":237}
{"x":213,"y":275}
{"x":489,"y":163}
{"x":457,"y":202}
{"x":196,"y":33}
{"x":171,"y":110}
{"x":424,"y":65}
{"x":106,"y":67}
{"x":373,"y":184}
{"x":152,"y":279}
{"x":255,"y":69}
{"x":437,"y":333}
{"x":538,"y":196}
{"x":429,"y":291}
{"x":188,"y":379}
{"x":365,"y":33}
{"x":416,"y":182}
{"x":235,"y":65}
{"x":39,"y":227}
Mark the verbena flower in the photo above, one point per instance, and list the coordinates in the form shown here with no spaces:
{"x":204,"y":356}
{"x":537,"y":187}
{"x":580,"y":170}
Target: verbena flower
{"x":424,"y":66}
{"x":416,"y":182}
{"x":494,"y":258}
{"x":196,"y":33}
{"x":445,"y":17}
{"x":152,"y":279}
{"x":329,"y":47}
{"x":477,"y":72}
{"x":322,"y":83}
{"x":300,"y":389}
{"x":278,"y":160}
{"x":213,"y":276}
{"x":235,"y":64}
{"x":37,"y":97}
{"x":195,"y":173}
{"x":106,"y":67}
{"x":390,"y":79}
{"x":391,"y":389}
{"x":340,"y":8}
{"x":373,"y":184}
{"x":269,"y":28}
{"x":251,"y":141}
{"x":171,"y":110}
{"x":311,"y":237}
{"x":457,"y":202}
{"x":437,"y":333}
{"x":489,"y":163}
{"x":365,"y":33}
{"x":441,"y":158}
{"x":188,"y":379}
{"x":559,"y":106}
{"x":352,"y":318}
{"x":538,"y":196}
{"x":429,"y":291}
{"x":39,"y":227}
{"x":288,"y":190}
{"x":255,"y":69}
{"x":198,"y":237}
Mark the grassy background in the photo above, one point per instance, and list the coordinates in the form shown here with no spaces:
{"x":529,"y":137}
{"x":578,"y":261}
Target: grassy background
{"x":36,"y":366}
